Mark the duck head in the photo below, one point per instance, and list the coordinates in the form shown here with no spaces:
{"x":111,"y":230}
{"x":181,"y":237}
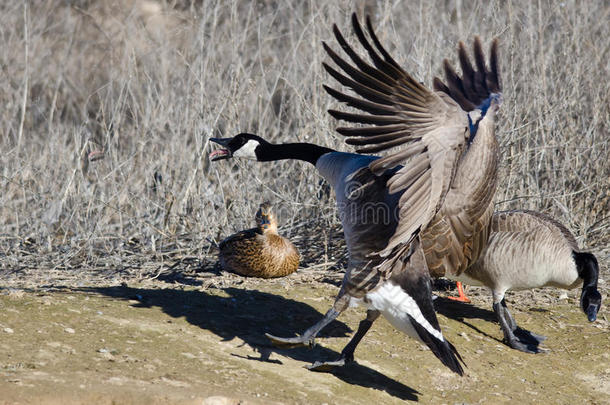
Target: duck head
{"x":241,"y":145}
{"x":265,"y":219}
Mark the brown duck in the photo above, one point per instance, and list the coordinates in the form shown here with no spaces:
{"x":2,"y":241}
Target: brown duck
{"x":260,"y":251}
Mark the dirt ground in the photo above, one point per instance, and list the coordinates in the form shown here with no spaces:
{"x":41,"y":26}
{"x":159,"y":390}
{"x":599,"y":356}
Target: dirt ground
{"x":154,"y":343}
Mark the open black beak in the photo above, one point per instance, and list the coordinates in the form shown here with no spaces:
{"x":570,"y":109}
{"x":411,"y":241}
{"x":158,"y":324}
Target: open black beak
{"x":592,"y":312}
{"x":223,"y":153}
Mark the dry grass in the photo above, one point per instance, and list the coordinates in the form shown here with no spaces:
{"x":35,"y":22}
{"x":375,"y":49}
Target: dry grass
{"x":149,"y":81}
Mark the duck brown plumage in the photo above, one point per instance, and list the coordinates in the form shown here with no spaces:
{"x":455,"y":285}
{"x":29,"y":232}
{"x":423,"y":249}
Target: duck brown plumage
{"x":261,"y":251}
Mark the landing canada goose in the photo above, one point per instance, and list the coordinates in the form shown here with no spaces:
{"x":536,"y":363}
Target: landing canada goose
{"x":428,"y":203}
{"x":526,"y":250}
{"x":260,"y":251}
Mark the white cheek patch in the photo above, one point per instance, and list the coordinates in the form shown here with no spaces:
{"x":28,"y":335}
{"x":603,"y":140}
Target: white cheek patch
{"x":247,"y":151}
{"x":474,"y":115}
{"x":396,"y":306}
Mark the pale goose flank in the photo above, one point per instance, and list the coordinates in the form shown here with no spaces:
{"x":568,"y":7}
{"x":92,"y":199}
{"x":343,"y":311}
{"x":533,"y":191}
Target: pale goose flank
{"x":527,"y":250}
{"x":440,"y":185}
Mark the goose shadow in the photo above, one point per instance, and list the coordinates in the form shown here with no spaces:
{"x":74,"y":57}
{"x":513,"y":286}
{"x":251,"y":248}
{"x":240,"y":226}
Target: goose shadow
{"x":248,"y":315}
{"x":461,"y":311}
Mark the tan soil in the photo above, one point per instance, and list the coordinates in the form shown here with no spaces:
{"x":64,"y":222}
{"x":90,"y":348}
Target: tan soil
{"x":155,"y":343}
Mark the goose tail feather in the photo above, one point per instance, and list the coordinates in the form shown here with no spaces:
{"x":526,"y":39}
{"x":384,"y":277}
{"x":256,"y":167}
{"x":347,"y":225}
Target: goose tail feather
{"x":444,"y":350}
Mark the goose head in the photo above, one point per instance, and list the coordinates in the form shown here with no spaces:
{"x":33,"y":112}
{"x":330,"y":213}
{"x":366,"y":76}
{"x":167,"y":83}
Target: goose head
{"x":590,"y":302}
{"x":265,"y":219}
{"x":242,"y":145}
{"x":485,"y":112}
{"x":588,"y":271}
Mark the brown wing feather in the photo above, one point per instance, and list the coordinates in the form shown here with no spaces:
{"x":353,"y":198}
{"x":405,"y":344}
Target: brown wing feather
{"x":524,"y":220}
{"x":432,"y":129}
{"x":403,"y":112}
{"x":238,"y":237}
{"x":474,"y":86}
{"x":453,"y":243}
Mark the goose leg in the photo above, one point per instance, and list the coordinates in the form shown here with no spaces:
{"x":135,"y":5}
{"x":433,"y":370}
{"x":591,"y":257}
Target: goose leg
{"x":509,"y":317}
{"x":509,"y":336}
{"x":308,"y":337}
{"x":347,"y":354}
{"x":524,"y":335}
{"x":461,"y":296}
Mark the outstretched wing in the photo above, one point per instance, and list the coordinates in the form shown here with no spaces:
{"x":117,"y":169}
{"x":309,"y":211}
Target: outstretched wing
{"x":473,"y":89}
{"x":398,"y":111}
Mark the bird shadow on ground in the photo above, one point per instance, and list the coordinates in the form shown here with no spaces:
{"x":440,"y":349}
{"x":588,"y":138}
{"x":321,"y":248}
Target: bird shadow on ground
{"x":248,"y":314}
{"x":460,"y":311}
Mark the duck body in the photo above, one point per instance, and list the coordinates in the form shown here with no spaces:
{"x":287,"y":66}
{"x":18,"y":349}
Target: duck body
{"x":526,"y":250}
{"x":252,"y":253}
{"x":261,"y":251}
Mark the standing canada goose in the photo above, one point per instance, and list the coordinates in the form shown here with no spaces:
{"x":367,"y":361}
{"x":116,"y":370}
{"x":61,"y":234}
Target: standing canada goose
{"x":260,"y":251}
{"x":428,"y":203}
{"x":526,"y":250}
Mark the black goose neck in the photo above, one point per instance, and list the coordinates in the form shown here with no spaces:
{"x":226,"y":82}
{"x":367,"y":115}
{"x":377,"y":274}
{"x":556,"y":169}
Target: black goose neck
{"x":588,"y":269}
{"x":299,"y":151}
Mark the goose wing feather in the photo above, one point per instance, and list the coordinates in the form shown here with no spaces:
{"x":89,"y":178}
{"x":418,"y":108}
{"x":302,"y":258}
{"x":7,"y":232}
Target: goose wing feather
{"x":525,"y":220}
{"x":430,"y":126}
{"x":474,"y":86}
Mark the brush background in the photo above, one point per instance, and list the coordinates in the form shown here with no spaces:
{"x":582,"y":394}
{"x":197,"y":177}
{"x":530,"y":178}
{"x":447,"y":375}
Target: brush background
{"x":150,"y":81}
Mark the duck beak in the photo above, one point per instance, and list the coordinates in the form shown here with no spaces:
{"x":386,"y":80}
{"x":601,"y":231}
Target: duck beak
{"x":222,"y":153}
{"x":592,"y":312}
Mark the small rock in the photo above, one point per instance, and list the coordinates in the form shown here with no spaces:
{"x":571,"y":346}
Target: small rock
{"x":8,"y":330}
{"x":15,"y":293}
{"x":107,"y":356}
{"x":69,"y":330}
{"x":563,"y":296}
{"x":219,"y":400}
